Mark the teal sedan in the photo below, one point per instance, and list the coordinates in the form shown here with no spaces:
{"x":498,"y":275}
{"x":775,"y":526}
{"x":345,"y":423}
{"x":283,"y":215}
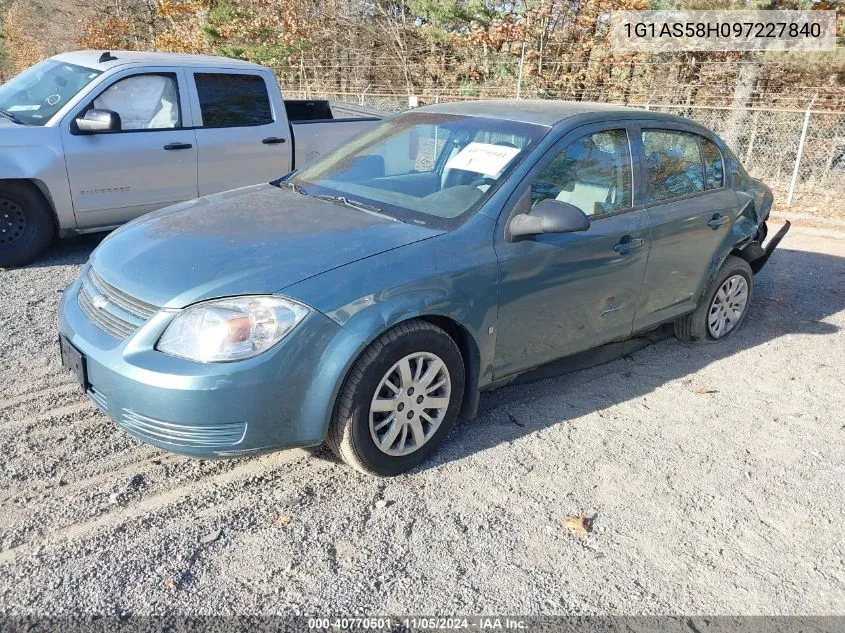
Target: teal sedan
{"x":365,"y":300}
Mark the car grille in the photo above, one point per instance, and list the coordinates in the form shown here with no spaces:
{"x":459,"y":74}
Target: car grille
{"x":205,"y":436}
{"x":118,"y":314}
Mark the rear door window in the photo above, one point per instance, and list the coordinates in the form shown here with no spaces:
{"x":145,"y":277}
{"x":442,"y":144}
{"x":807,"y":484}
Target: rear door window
{"x":233,"y":100}
{"x":713,"y":164}
{"x":673,"y":164}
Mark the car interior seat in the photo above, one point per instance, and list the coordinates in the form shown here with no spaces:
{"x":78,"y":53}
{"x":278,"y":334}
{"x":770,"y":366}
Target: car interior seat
{"x":593,"y":172}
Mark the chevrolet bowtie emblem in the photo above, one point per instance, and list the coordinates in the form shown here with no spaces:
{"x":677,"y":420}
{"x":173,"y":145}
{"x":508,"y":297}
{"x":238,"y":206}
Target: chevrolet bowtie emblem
{"x":99,"y":301}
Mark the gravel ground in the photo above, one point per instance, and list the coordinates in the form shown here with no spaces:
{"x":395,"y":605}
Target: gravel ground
{"x":714,"y":476}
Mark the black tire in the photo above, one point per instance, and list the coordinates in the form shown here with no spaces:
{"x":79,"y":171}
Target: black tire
{"x":26,"y":224}
{"x":349,"y":434}
{"x":693,"y":327}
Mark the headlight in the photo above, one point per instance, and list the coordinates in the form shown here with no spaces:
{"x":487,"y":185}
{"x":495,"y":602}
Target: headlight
{"x":224,"y":330}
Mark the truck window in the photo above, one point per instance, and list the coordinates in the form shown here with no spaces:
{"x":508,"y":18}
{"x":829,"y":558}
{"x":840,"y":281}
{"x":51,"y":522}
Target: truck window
{"x":229,"y":100}
{"x":144,"y":102}
{"x":39,"y":92}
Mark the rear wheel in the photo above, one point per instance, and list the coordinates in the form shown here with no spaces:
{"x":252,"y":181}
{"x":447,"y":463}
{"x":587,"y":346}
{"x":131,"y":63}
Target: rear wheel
{"x":724,"y":306}
{"x":399,"y":401}
{"x":26,"y":224}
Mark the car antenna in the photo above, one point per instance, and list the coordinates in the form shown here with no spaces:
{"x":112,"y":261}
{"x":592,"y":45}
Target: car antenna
{"x":107,"y":57}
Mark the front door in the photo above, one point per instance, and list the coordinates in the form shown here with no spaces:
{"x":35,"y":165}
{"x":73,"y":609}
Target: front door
{"x":691,"y":213}
{"x":149,"y":163}
{"x":563,"y":293}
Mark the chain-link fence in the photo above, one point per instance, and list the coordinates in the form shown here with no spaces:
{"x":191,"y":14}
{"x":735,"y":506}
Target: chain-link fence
{"x":767,"y":141}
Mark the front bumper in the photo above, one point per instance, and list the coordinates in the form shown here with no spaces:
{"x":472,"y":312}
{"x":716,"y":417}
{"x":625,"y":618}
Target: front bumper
{"x":279,"y":399}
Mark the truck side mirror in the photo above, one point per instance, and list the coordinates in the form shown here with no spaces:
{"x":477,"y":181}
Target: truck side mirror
{"x":549,"y":216}
{"x":95,"y":121}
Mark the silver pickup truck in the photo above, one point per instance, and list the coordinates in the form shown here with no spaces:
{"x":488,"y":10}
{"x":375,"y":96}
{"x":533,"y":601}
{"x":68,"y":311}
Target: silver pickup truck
{"x":92,"y":139}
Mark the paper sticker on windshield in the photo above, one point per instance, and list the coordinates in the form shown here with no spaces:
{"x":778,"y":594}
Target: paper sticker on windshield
{"x":483,"y":158}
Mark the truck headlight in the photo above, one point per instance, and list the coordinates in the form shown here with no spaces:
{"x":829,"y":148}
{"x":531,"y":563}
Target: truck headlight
{"x":224,"y":330}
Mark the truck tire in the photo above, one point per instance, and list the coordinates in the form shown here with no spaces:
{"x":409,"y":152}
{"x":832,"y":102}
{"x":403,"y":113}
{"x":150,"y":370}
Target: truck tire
{"x":723,"y":308}
{"x":26,"y":224}
{"x":399,"y":401}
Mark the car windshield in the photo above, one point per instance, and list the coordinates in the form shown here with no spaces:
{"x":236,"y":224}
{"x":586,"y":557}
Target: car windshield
{"x":35,"y":95}
{"x":425,"y":168}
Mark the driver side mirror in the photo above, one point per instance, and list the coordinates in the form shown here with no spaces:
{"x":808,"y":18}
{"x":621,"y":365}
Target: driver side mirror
{"x":95,"y":121}
{"x":549,"y":216}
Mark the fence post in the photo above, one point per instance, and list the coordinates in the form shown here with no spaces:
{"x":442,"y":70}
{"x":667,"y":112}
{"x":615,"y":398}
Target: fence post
{"x":519,"y":79}
{"x":800,"y":153}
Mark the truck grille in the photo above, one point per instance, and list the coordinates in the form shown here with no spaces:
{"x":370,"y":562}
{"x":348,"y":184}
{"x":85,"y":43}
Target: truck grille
{"x":113,"y":311}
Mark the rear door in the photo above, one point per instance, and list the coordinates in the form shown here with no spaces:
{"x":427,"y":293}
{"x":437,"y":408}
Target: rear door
{"x":150,"y":163}
{"x":243,"y":137}
{"x":691,"y":214}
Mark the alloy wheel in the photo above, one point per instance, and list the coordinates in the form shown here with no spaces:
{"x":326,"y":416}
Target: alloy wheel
{"x":728,"y":306}
{"x":409,"y":403}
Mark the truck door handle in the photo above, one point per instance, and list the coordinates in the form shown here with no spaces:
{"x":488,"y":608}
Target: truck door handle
{"x":717,"y":220}
{"x":274,"y":140}
{"x":627,"y":244}
{"x":172,"y":146}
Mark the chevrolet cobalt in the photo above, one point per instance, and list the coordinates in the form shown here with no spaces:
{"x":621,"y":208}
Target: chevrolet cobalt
{"x":367,"y":299}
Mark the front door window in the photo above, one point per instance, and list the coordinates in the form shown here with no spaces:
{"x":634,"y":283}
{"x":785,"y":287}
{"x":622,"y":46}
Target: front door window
{"x":593,"y":173}
{"x":143,"y":102}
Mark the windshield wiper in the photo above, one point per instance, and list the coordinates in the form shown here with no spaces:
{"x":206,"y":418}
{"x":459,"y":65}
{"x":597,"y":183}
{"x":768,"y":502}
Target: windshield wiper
{"x":288,"y":185}
{"x":11,"y":117}
{"x":354,"y":204}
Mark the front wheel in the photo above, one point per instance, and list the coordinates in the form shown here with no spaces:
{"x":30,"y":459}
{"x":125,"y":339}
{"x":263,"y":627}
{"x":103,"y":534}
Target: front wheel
{"x":723,"y":307}
{"x":399,"y":401}
{"x":26,"y":224}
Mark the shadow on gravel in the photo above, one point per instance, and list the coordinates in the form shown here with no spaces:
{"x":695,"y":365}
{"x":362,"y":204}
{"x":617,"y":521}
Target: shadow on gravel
{"x":792,"y":295}
{"x":72,"y":251}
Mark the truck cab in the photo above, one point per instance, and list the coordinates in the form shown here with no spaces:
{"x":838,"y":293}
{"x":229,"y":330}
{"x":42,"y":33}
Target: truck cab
{"x":93,"y":139}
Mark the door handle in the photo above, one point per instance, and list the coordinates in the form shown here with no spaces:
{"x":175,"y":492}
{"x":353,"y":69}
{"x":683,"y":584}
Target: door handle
{"x":172,"y":146}
{"x":717,"y":220}
{"x":274,"y":140}
{"x":628,"y":244}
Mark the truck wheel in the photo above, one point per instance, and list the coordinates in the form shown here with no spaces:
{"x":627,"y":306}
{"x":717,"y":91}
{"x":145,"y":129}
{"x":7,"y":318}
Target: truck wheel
{"x":399,"y":401}
{"x":724,"y":306}
{"x":26,"y":224}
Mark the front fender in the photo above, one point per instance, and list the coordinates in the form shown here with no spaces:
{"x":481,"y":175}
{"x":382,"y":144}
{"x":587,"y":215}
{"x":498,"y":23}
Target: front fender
{"x":35,"y":155}
{"x":452,"y":276}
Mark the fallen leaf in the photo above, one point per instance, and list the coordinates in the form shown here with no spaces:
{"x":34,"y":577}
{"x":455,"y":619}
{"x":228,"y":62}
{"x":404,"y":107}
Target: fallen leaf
{"x":705,"y":390}
{"x":283,"y":520}
{"x":580,"y":524}
{"x":169,"y":584}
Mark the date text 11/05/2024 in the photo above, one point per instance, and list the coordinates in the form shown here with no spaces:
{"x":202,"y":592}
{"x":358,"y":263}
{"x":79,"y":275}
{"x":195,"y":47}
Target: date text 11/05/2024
{"x":481,"y":623}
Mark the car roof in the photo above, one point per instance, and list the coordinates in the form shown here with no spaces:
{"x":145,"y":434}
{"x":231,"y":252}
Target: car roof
{"x":547,"y":112}
{"x":91,"y":59}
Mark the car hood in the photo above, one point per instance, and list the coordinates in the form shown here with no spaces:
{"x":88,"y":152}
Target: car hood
{"x":255,"y":240}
